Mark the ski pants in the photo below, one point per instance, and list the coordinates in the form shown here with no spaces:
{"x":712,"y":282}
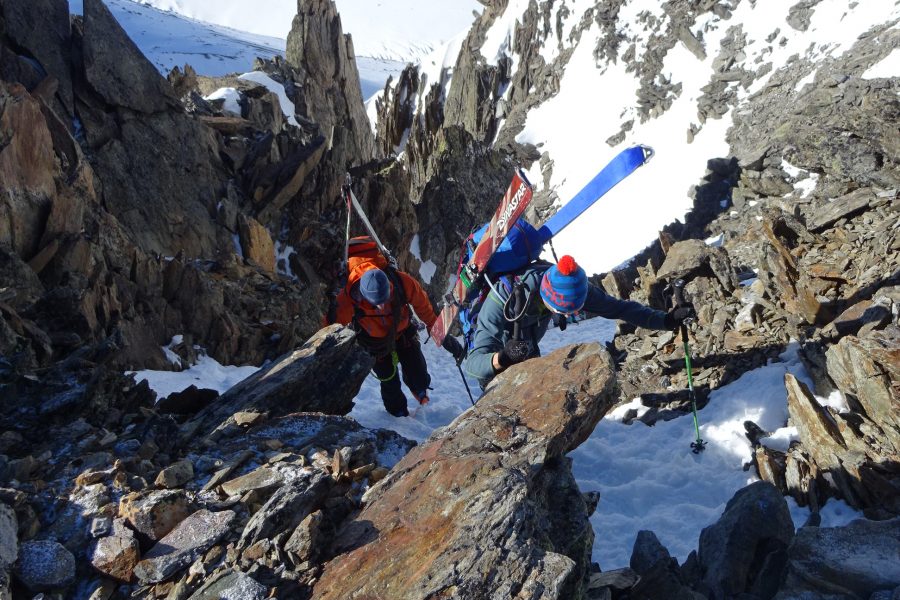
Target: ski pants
{"x":410,"y":365}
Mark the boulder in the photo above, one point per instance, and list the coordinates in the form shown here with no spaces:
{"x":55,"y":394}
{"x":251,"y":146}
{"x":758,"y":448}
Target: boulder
{"x":854,"y":561}
{"x":840,"y":208}
{"x":175,"y":475}
{"x":257,"y":243}
{"x":489,"y":493}
{"x":115,"y":556}
{"x":324,"y":375}
{"x":755,"y":524}
{"x":868,"y":369}
{"x":306,"y":539}
{"x":187,"y":401}
{"x":287,"y":508}
{"x":264,"y":478}
{"x":44,"y":566}
{"x":181,"y":546}
{"x":230,"y":584}
{"x":154,"y":513}
{"x":852,"y":456}
{"x":116,"y":69}
{"x":689,"y":258}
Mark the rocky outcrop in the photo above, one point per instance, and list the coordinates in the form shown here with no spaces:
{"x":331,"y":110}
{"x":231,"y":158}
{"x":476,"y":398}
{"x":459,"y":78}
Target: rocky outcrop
{"x":494,"y":483}
{"x":855,"y":561}
{"x":322,"y":376}
{"x":264,"y":496}
{"x":328,"y":90}
{"x":116,"y":69}
{"x":740,"y":551}
{"x":122,"y":225}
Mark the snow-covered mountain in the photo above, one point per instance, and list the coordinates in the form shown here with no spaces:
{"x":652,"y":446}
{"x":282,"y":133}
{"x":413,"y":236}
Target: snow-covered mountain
{"x":661,"y":74}
{"x":172,"y":35}
{"x":394,"y":30}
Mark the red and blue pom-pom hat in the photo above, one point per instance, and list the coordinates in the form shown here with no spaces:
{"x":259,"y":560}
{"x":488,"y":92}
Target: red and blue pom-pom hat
{"x":564,"y":287}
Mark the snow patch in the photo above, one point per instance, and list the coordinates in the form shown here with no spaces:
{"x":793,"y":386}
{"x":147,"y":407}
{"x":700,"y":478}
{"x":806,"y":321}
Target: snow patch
{"x":287,"y":107}
{"x":232,"y":99}
{"x":207,"y":373}
{"x":887,"y":67}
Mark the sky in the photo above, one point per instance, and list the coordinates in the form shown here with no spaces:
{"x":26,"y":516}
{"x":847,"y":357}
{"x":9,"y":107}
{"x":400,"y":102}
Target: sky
{"x":647,"y":477}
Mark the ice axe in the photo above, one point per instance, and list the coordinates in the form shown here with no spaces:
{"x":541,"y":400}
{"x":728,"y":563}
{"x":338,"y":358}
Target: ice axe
{"x":698,"y":445}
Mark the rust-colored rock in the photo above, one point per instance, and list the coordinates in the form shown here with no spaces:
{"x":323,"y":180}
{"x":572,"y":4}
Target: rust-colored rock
{"x":257,"y":243}
{"x":479,"y":496}
{"x":155,"y":513}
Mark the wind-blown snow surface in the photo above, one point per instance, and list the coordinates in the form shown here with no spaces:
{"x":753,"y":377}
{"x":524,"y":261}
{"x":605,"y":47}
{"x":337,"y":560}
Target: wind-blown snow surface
{"x":170,"y":39}
{"x":395,"y":30}
{"x":595,"y":100}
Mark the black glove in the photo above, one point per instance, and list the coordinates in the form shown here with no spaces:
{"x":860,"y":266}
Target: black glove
{"x":452,"y":345}
{"x":515,"y":351}
{"x":679,"y":314}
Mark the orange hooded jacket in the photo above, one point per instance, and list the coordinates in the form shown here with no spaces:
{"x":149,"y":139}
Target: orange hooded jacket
{"x":378,"y":322}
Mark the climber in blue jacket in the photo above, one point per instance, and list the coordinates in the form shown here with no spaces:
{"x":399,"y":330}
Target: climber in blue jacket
{"x":564,"y":290}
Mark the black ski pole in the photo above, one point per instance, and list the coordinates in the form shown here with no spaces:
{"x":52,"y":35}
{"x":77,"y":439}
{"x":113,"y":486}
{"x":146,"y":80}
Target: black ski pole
{"x":465,"y":383}
{"x":698,"y":445}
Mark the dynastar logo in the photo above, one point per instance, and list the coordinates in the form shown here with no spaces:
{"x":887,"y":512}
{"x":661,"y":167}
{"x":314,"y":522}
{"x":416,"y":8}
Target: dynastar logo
{"x":511,"y":207}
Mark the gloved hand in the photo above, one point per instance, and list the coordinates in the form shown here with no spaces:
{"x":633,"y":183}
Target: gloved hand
{"x":515,"y":351}
{"x":452,"y":345}
{"x":679,"y":314}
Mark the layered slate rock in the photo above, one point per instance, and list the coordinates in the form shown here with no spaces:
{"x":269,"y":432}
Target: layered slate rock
{"x":180,"y":547}
{"x":755,"y":526}
{"x":470,"y":513}
{"x":330,"y":93}
{"x":115,"y":67}
{"x":854,"y":561}
{"x":42,"y":28}
{"x":324,"y":375}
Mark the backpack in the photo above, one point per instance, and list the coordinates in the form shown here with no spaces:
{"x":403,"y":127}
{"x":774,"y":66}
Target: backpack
{"x":521,"y":247}
{"x":363,"y":249}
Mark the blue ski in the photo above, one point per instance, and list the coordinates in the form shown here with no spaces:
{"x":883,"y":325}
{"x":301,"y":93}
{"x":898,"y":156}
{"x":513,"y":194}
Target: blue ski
{"x":620,"y":167}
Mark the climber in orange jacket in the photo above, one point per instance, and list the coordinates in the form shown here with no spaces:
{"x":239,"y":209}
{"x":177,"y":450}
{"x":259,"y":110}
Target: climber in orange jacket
{"x":376,"y":301}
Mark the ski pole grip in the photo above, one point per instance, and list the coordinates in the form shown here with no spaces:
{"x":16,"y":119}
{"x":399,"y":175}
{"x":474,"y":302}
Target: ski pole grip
{"x":678,"y":292}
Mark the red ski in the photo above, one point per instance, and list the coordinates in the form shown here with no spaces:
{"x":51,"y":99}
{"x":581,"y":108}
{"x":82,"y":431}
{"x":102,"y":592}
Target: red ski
{"x":513,"y":205}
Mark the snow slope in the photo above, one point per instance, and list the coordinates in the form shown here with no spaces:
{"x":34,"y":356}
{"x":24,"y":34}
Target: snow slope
{"x":395,"y":30}
{"x":595,"y":100}
{"x":223,"y":38}
{"x":170,"y":40}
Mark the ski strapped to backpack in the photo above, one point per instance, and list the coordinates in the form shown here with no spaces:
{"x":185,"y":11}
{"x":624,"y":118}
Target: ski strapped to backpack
{"x":621,"y":166}
{"x":523,"y":244}
{"x":369,"y":248}
{"x":352,"y":201}
{"x":470,"y":275}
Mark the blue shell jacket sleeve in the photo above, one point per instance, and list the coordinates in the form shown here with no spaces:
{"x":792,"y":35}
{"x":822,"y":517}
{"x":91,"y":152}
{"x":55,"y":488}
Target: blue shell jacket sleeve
{"x":601,"y":303}
{"x":490,"y":337}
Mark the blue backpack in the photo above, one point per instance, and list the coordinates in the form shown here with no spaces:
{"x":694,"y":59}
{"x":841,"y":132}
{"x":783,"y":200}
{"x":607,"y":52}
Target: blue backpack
{"x":521,"y":246}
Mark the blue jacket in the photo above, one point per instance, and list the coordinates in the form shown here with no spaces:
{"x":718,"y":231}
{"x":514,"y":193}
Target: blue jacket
{"x":493,"y":330}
